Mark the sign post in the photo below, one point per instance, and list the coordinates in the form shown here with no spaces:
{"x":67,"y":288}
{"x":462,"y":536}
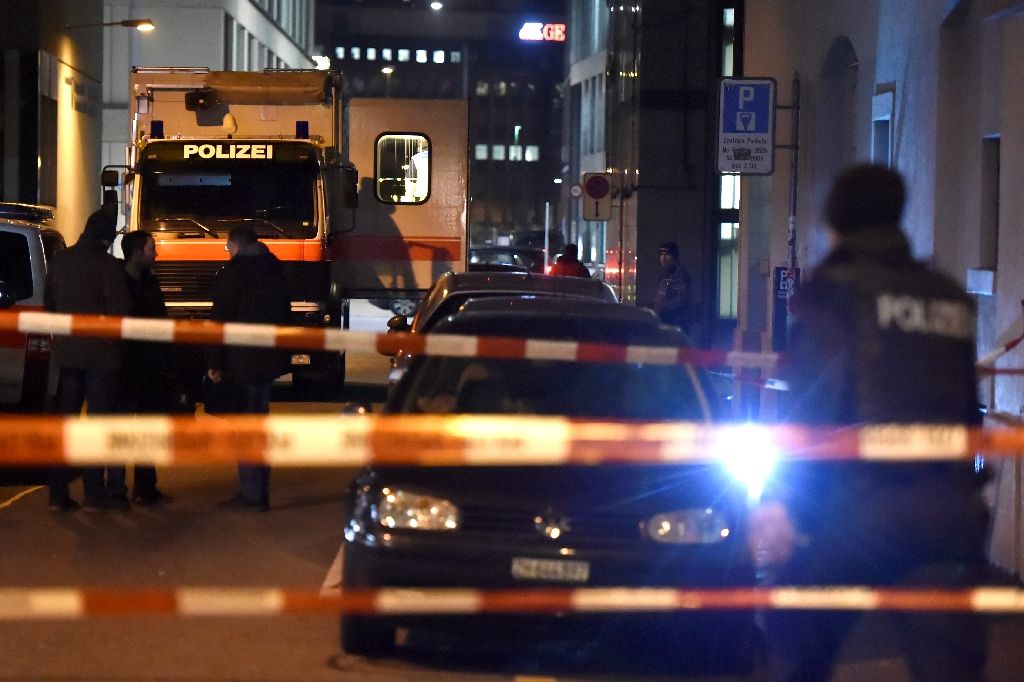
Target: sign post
{"x":597,"y":196}
{"x":746,"y":126}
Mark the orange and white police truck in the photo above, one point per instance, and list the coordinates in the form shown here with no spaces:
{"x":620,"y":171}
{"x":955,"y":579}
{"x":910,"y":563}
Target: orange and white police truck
{"x":278,"y":151}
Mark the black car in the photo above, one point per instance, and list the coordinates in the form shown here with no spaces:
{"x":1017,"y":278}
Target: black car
{"x":523,"y":256}
{"x":573,"y":526}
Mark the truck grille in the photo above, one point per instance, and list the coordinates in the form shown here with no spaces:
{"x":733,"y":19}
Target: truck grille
{"x":187,"y":280}
{"x":586,"y":529}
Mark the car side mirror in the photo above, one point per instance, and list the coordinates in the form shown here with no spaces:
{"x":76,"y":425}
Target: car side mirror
{"x":399,"y":323}
{"x":8,"y":296}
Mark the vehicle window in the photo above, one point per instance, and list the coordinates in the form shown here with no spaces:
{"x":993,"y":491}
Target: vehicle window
{"x":448,"y":307}
{"x":16,"y":264}
{"x":402,"y":163}
{"x":621,"y":390}
{"x":272,"y":193}
{"x":53,"y":242}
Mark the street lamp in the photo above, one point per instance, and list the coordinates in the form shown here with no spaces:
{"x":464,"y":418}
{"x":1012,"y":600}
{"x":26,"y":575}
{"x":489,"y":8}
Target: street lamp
{"x":144,"y":25}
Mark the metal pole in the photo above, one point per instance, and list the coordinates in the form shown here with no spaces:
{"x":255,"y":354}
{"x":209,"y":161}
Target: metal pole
{"x":794,"y":175}
{"x":547,"y":232}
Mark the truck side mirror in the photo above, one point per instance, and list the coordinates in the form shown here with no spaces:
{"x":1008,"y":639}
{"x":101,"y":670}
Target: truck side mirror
{"x":350,"y":185}
{"x":110,"y":178}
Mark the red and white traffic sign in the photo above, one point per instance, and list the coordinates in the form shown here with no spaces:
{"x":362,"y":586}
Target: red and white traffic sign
{"x":597,"y":196}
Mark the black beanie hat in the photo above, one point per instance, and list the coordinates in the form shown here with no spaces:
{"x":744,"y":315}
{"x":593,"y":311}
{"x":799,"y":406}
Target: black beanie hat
{"x":671,"y":248}
{"x":863,"y":196}
{"x":102,"y":226}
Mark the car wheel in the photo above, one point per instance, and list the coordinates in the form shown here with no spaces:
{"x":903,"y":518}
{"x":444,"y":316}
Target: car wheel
{"x":365,"y":636}
{"x":403,"y":306}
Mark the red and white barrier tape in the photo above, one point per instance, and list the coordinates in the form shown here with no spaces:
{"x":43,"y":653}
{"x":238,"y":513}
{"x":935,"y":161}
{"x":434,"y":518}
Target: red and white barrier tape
{"x":52,"y":603}
{"x":313,"y":338}
{"x":468,"y":440}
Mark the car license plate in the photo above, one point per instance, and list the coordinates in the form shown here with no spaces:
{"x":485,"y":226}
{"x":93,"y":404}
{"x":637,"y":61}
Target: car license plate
{"x":300,"y":359}
{"x":556,"y":570}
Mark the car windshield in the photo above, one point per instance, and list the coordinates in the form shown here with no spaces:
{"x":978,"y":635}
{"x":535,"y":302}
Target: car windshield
{"x":206,"y":195}
{"x":441,"y":385}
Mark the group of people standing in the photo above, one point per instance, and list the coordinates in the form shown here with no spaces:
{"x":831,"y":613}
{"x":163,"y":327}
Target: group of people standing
{"x":108,"y":376}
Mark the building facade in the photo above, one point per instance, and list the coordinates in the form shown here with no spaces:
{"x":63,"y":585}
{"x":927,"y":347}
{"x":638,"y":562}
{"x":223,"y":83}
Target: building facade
{"x":50,"y":109}
{"x":643,"y":82}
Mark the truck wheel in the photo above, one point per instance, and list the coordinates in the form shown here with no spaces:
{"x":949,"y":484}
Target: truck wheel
{"x":403,"y":306}
{"x":365,"y":636}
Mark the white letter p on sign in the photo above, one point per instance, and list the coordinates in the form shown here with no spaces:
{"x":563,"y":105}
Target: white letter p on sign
{"x":746,"y":94}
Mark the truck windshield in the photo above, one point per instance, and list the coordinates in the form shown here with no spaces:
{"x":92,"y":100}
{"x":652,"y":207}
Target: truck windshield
{"x":206,"y":188}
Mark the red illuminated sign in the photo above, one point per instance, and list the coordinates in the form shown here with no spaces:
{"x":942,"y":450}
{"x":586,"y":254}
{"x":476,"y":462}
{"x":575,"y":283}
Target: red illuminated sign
{"x":536,"y":31}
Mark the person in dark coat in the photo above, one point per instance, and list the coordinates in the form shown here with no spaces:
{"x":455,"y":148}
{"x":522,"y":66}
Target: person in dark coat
{"x":673,"y":301}
{"x":250,"y":288}
{"x":86,"y":279}
{"x":568,"y":264}
{"x":877,"y":338}
{"x":148,"y":383}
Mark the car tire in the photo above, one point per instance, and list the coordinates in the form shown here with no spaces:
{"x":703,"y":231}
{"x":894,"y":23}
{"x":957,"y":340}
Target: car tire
{"x":403,"y":306}
{"x":366,"y":636}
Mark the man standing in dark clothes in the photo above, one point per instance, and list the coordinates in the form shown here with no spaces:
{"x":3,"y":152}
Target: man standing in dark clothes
{"x":568,"y":264}
{"x":674,"y":298}
{"x":148,"y":383}
{"x":877,"y":338}
{"x":87,"y":279}
{"x":250,"y":288}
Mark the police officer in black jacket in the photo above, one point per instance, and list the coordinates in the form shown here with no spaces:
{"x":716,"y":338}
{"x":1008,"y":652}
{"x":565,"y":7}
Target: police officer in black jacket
{"x":877,"y":337}
{"x":251,"y":288}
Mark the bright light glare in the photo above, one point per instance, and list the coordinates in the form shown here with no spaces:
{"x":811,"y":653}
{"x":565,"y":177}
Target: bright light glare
{"x":436,"y":5}
{"x":387,"y":70}
{"x":749,"y":455}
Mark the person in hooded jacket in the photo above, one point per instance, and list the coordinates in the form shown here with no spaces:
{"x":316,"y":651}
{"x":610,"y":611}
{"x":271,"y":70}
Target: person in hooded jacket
{"x":568,"y":264}
{"x":86,"y":279}
{"x":251,"y":287}
{"x":877,"y":337}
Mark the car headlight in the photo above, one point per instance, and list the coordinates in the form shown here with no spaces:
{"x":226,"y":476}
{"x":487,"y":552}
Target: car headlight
{"x":749,"y":454}
{"x":688,"y":527}
{"x":403,"y":509}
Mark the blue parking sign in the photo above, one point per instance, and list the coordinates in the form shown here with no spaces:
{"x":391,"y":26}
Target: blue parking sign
{"x":746,"y":126}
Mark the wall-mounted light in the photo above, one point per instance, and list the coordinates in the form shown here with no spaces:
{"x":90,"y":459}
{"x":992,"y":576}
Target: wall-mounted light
{"x":436,"y":5}
{"x":144,"y":25}
{"x":387,"y":70}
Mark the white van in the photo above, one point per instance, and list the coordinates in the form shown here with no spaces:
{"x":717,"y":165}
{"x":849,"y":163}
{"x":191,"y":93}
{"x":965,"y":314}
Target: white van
{"x":26,"y":245}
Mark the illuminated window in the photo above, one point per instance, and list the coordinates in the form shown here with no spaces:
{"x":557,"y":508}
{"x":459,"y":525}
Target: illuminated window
{"x":403,"y":55}
{"x":439,"y":56}
{"x":421,"y":56}
{"x":480,"y":152}
{"x":456,"y":57}
{"x":339,"y":52}
{"x":730,"y":191}
{"x":502,"y":88}
{"x":371,"y":54}
{"x":532,"y":152}
{"x":515,"y":152}
{"x":482,"y":88}
{"x":355,"y":52}
{"x":402,"y":168}
{"x":498,"y":152}
{"x":385,"y":54}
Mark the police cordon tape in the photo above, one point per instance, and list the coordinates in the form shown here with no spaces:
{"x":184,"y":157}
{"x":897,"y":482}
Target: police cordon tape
{"x":52,"y":603}
{"x":469,"y":440}
{"x":206,"y":332}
